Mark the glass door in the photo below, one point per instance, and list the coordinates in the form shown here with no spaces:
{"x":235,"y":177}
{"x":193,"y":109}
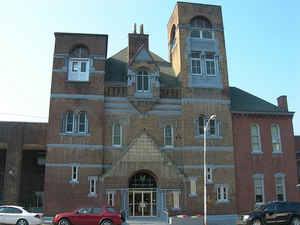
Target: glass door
{"x":142,"y":203}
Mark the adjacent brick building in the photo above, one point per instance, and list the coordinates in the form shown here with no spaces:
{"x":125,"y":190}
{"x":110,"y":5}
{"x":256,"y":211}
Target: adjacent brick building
{"x":129,"y":130}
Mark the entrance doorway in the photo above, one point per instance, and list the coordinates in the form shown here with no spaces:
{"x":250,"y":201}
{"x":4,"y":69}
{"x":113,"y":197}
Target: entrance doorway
{"x":142,"y":195}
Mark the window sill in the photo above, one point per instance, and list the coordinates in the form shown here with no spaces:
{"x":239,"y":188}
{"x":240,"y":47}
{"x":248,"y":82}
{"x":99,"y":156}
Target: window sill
{"x":75,"y":134}
{"x":92,"y":195}
{"x":222,"y":201}
{"x":175,"y":209}
{"x":78,"y":81}
{"x":117,"y":146}
{"x":73,"y":182}
{"x":257,"y":153}
{"x":210,"y":182}
{"x":277,"y":153}
{"x":193,"y":195}
{"x":209,"y":137}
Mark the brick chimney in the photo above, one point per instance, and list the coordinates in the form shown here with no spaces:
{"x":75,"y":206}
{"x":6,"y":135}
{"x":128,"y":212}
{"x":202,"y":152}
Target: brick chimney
{"x":135,"y":41}
{"x":282,"y":103}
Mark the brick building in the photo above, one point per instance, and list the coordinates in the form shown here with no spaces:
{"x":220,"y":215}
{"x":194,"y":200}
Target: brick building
{"x":128,"y":130}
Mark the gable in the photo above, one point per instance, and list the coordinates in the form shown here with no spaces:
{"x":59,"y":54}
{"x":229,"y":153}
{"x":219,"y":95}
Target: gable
{"x":143,"y":55}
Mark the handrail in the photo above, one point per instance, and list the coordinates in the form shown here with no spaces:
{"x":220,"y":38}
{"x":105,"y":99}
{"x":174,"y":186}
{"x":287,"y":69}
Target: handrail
{"x":165,"y":215}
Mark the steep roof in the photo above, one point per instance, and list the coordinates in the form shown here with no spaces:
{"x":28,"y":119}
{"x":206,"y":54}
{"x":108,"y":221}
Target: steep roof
{"x":242,"y":101}
{"x":117,"y":67}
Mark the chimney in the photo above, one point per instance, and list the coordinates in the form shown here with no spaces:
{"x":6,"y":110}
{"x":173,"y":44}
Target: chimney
{"x":134,"y":28}
{"x":282,"y":103}
{"x":136,"y":40}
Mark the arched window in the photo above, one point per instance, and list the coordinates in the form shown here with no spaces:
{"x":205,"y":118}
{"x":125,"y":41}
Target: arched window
{"x":255,"y":138}
{"x":201,"y":28}
{"x":142,"y":180}
{"x":75,"y":122}
{"x":172,"y":38}
{"x":200,"y":21}
{"x":79,"y":64}
{"x":117,"y":135}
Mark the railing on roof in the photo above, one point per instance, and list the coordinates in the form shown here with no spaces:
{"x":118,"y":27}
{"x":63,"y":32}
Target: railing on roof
{"x":170,"y":93}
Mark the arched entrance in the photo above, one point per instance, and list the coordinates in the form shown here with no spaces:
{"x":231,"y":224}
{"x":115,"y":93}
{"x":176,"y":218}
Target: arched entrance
{"x":142,"y":195}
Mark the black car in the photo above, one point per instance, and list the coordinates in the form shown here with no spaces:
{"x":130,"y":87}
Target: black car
{"x":275,"y":213}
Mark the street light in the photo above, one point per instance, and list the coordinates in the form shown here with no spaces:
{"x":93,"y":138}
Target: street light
{"x":212,"y":117}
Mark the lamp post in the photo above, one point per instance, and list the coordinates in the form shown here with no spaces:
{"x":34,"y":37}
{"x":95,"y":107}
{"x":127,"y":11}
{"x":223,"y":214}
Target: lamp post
{"x":212,"y":117}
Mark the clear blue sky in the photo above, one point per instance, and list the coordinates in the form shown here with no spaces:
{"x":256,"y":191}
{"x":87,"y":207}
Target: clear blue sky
{"x":262,"y":42}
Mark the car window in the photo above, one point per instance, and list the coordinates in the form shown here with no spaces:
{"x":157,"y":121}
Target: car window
{"x":13,"y":210}
{"x":85,"y":210}
{"x":282,"y":207}
{"x":2,"y":209}
{"x":111,"y":210}
{"x":98,"y":210}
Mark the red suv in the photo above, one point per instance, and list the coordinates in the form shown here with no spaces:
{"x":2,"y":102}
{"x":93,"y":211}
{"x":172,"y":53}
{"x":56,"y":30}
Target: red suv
{"x":90,"y":215}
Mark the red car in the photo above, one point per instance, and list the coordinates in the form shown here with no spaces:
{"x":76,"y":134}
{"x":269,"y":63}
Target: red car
{"x":90,"y":215}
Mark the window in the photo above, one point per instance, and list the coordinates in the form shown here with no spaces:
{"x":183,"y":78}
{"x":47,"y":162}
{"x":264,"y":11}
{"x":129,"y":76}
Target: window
{"x":75,"y":123}
{"x":75,"y":173}
{"x":92,"y":186}
{"x":280,"y":188}
{"x":255,"y":138}
{"x":210,"y":65}
{"x":209,"y":175}
{"x":259,"y":189}
{"x":117,"y":135}
{"x":222,"y":193}
{"x":97,"y":210}
{"x":110,"y":198}
{"x":201,"y":28}
{"x":79,"y":64}
{"x":143,"y":81}
{"x":275,"y":132}
{"x":213,"y":128}
{"x":172,"y":38}
{"x":168,"y":134}
{"x":193,"y":183}
{"x":176,"y":199}
{"x":196,"y":63}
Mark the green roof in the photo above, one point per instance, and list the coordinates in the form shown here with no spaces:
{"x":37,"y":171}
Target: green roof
{"x":242,"y":101}
{"x":117,"y":67}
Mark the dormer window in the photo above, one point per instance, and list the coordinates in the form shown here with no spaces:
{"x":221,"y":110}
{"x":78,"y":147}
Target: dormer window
{"x":143,"y":81}
{"x":79,"y":65}
{"x":201,"y":28}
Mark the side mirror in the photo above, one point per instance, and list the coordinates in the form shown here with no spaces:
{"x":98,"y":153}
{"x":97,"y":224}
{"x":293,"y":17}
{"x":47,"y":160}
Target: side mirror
{"x":77,"y":212}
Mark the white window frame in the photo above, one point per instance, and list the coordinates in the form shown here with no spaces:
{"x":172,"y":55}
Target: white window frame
{"x":193,"y":186}
{"x":85,"y":122}
{"x":170,"y":137}
{"x":75,"y":174}
{"x":78,"y":75}
{"x":201,"y":36}
{"x":258,"y":184}
{"x":92,"y":186}
{"x":141,"y":75}
{"x":222,"y":193}
{"x":67,"y":122}
{"x":209,"y":175}
{"x":200,"y":129}
{"x":276,"y":139}
{"x":255,"y":137}
{"x":111,"y":198}
{"x":176,"y":199}
{"x":198,"y":60}
{"x":280,"y":177}
{"x":114,"y":135}
{"x":209,"y":60}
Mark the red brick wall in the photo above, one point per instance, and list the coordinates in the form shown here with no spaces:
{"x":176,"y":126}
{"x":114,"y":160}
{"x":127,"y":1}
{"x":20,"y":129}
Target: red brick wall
{"x":248,"y":164}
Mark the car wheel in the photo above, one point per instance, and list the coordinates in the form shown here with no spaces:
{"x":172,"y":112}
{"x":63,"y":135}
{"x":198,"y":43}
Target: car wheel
{"x":256,"y":222}
{"x":295,"y":221}
{"x":106,"y":222}
{"x":63,"y":222}
{"x":22,"y":222}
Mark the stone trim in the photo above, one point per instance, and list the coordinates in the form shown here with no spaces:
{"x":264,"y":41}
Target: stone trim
{"x":200,"y":148}
{"x":77,"y":146}
{"x":210,"y":166}
{"x":202,"y":100}
{"x":77,"y":164}
{"x":76,"y":96}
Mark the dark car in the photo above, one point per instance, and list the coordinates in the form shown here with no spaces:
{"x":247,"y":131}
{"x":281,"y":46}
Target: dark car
{"x":90,"y":215}
{"x":275,"y":213}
